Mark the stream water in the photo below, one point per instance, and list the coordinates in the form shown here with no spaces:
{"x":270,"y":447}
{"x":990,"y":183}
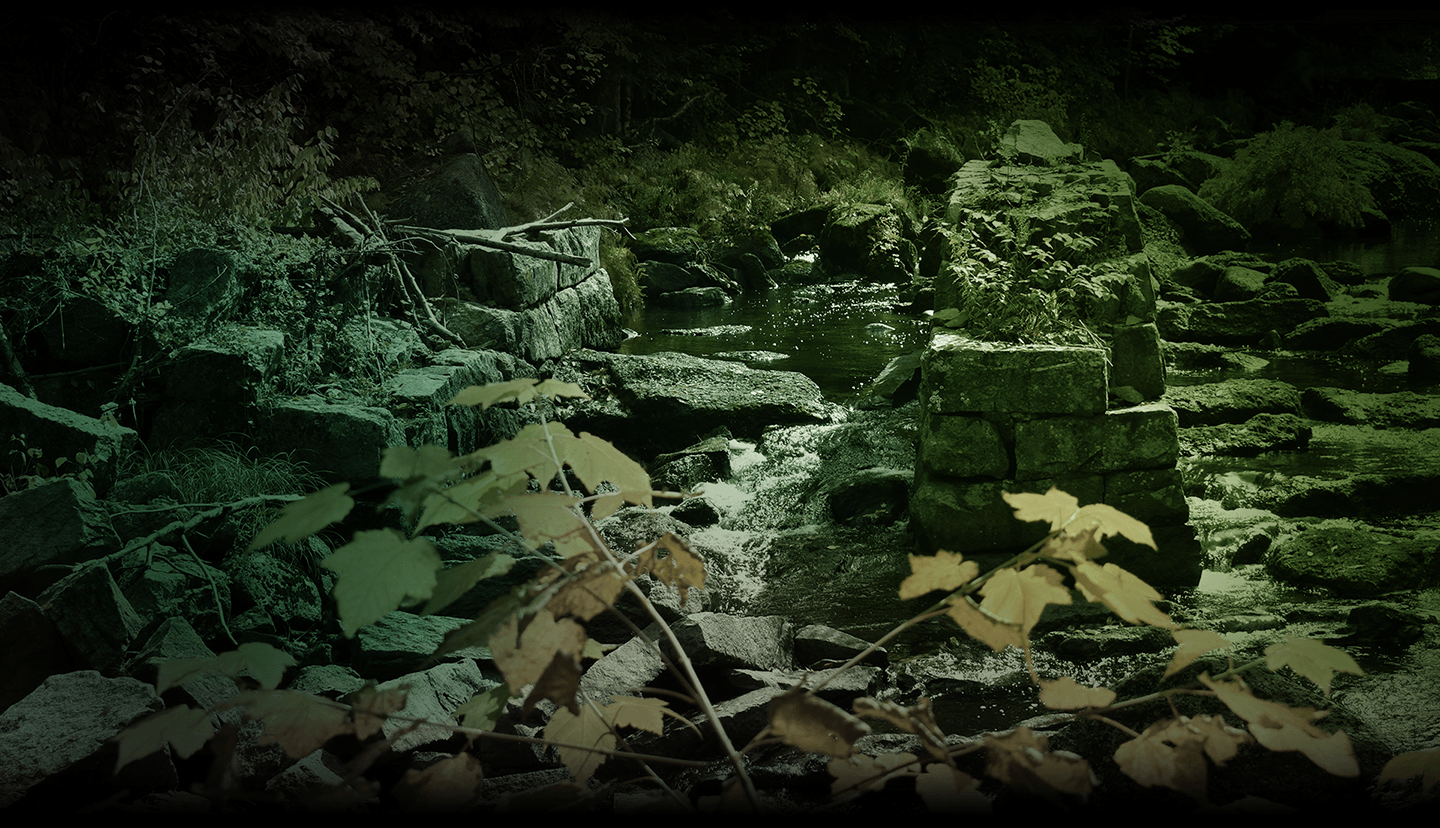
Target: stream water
{"x":842,"y":335}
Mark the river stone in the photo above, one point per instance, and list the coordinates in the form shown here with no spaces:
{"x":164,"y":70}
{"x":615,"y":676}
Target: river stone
{"x":668,"y":401}
{"x":1231,"y":401}
{"x":1352,"y":560}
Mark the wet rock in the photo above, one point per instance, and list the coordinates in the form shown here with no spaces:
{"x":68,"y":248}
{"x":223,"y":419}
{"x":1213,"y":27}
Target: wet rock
{"x":1206,"y":229}
{"x":1402,"y":409}
{"x":1234,"y":323}
{"x":1257,"y":435}
{"x":1424,"y":358}
{"x":1350,"y":559}
{"x":1231,"y":401}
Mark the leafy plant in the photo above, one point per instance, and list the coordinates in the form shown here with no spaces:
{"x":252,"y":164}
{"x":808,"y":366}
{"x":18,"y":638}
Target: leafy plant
{"x":1290,"y":176}
{"x":536,"y":637}
{"x":25,"y":467}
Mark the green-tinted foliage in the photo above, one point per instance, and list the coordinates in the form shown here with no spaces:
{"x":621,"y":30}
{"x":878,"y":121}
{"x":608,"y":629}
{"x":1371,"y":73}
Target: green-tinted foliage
{"x":1289,"y":177}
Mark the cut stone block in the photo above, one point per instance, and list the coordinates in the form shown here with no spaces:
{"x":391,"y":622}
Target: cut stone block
{"x":963,"y":376}
{"x":1141,"y":437}
{"x":971,"y":516}
{"x":961,"y":446}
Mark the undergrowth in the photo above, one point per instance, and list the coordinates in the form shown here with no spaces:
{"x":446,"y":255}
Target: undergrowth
{"x":537,"y":639}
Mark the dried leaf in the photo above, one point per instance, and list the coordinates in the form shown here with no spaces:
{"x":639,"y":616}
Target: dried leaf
{"x":809,"y":722}
{"x":983,"y":628}
{"x":445,"y":787}
{"x":558,"y":683}
{"x":681,"y":568}
{"x":1422,"y":763}
{"x":1282,"y":728}
{"x":523,"y":656}
{"x":582,"y":729}
{"x":372,"y":706}
{"x":1020,"y":597}
{"x":1311,"y":659}
{"x":868,"y":773}
{"x":1193,"y":644}
{"x":1164,"y":756}
{"x":943,"y":571}
{"x":947,"y":790}
{"x":1066,"y":694}
{"x":1126,"y":595}
{"x":1023,"y":758}
{"x":918,"y":719}
{"x":299,"y":722}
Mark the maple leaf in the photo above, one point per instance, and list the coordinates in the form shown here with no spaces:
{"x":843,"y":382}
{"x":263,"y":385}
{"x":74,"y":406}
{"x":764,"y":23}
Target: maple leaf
{"x":521,"y":391}
{"x":484,"y":709}
{"x":265,"y":663}
{"x":406,"y":463}
{"x":1066,"y":694}
{"x":1054,"y":507}
{"x":1282,"y":728}
{"x":1423,"y":763}
{"x":596,"y":460}
{"x":808,"y":722}
{"x":372,"y":706}
{"x":186,"y":730}
{"x":947,"y":790}
{"x":467,"y":499}
{"x":983,"y":628}
{"x":633,"y":711}
{"x":1107,"y":520}
{"x":1162,"y":758}
{"x":582,"y":729}
{"x":588,"y":592}
{"x":680,"y":569}
{"x":943,"y":571}
{"x":299,"y":722}
{"x":452,"y":583}
{"x":548,"y":516}
{"x":1126,"y":595}
{"x":1311,"y":659}
{"x":1019,"y":598}
{"x":523,"y":656}
{"x":1193,"y":644}
{"x":445,"y":787}
{"x":377,"y":571}
{"x":307,"y":516}
{"x":1023,"y":758}
{"x":868,"y":773}
{"x":918,"y":719}
{"x":558,"y":683}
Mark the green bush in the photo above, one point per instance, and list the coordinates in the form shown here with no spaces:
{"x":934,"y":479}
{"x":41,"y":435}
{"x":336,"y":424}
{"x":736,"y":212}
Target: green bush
{"x":1290,"y":177}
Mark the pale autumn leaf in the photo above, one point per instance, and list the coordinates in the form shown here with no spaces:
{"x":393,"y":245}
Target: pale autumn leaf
{"x":809,"y":722}
{"x":1193,"y":644}
{"x":377,"y":572}
{"x":519,"y":390}
{"x":445,"y":787}
{"x":262,"y":662}
{"x":1023,"y":758}
{"x":1282,"y":728}
{"x":529,"y":451}
{"x":186,"y":730}
{"x":523,"y":656}
{"x":992,"y":632}
{"x":868,"y":773}
{"x":548,"y":516}
{"x":1126,"y":595}
{"x":947,"y":790}
{"x":1311,"y":659}
{"x":1423,"y":763}
{"x":1164,"y":757}
{"x":595,"y":460}
{"x":1107,"y":520}
{"x":943,"y":571}
{"x":372,"y":706}
{"x":918,"y":719}
{"x":1054,"y":507}
{"x":307,"y":516}
{"x":1065,"y":693}
{"x":452,"y":583}
{"x":1020,"y":597}
{"x":577,"y":731}
{"x":633,"y":711}
{"x":679,"y":568}
{"x":588,"y":592}
{"x":559,"y":683}
{"x":299,"y":722}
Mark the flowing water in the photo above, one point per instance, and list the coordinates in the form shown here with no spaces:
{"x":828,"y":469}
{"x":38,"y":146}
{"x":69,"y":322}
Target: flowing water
{"x":841,"y":335}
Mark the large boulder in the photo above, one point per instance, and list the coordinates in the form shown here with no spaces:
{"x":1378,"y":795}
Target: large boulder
{"x":1036,"y":144}
{"x":1206,"y":229}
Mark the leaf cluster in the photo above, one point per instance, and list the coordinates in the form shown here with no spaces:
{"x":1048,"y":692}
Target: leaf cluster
{"x":536,"y":636}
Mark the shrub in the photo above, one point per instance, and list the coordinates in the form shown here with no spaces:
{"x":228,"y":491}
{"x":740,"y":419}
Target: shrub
{"x":1289,"y":177}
